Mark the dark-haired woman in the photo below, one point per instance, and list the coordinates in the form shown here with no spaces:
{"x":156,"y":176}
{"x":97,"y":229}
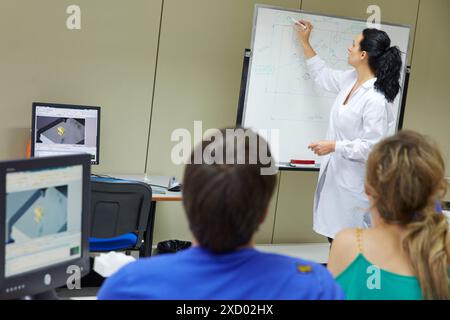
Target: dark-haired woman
{"x":360,"y":117}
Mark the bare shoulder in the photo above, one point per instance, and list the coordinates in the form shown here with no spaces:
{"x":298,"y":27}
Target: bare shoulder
{"x":345,"y":243}
{"x":343,"y":251}
{"x":346,"y":235}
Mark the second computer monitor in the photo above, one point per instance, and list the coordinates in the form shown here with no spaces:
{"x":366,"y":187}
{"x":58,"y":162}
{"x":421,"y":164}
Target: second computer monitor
{"x":44,"y":219}
{"x":60,"y":129}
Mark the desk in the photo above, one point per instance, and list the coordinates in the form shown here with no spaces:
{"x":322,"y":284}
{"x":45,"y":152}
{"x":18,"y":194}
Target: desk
{"x":317,"y":252}
{"x":167,"y":196}
{"x":158,"y":194}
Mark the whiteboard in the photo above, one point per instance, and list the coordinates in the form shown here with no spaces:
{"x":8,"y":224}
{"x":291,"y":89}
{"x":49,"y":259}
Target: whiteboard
{"x":282,"y":102}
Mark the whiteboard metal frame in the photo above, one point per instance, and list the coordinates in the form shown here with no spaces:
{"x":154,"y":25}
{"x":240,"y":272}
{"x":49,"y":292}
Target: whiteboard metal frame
{"x":405,"y":69}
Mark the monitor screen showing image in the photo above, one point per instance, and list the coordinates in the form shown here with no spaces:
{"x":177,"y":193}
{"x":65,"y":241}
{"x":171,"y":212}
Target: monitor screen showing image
{"x":65,"y":129}
{"x":43,"y":218}
{"x":44,"y":208}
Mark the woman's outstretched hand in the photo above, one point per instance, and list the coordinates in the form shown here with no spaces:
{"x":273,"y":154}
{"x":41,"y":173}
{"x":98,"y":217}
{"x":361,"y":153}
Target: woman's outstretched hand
{"x":304,"y":29}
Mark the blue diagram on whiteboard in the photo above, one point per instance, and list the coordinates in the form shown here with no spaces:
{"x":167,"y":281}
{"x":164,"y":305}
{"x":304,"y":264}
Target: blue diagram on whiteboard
{"x":286,"y":75}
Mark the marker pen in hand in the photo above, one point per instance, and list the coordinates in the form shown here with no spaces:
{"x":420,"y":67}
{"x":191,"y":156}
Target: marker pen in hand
{"x":298,"y":23}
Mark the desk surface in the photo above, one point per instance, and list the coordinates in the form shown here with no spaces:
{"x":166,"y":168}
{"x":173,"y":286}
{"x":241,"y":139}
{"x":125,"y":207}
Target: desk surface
{"x":159,"y":193}
{"x":317,"y":252}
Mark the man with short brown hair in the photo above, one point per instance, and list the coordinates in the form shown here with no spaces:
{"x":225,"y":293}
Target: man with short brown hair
{"x":226,"y":197}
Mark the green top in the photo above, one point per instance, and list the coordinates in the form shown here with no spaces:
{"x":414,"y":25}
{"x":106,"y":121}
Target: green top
{"x":362,"y":280}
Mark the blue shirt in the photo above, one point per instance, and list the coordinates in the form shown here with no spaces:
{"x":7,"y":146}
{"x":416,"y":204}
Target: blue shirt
{"x":198,"y":274}
{"x":438,"y":207}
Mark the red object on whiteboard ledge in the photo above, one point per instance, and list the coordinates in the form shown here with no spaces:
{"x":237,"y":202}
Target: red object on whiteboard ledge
{"x":303,"y":162}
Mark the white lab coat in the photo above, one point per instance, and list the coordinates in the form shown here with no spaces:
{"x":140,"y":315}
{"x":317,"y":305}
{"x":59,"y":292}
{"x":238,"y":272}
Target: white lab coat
{"x":340,"y":201}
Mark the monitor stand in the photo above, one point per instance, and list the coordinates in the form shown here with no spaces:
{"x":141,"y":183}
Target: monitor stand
{"x":48,"y":295}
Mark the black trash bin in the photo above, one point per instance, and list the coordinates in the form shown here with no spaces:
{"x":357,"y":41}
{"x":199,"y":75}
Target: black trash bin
{"x":172,"y":246}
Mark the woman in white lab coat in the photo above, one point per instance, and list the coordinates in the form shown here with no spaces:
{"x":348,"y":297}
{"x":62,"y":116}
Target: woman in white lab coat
{"x":360,"y":117}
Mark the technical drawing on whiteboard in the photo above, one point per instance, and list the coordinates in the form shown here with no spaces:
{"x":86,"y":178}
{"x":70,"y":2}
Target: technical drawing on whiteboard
{"x":280,"y":92}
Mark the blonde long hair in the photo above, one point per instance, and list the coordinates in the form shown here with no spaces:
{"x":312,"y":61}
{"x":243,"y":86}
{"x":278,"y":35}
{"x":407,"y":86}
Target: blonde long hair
{"x":405,"y":178}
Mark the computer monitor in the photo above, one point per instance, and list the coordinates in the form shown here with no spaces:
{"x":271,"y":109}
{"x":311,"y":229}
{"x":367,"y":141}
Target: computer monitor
{"x":44,"y":207}
{"x":59,"y":129}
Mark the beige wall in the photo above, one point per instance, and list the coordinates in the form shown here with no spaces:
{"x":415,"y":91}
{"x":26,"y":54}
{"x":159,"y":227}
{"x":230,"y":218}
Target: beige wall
{"x":112,"y":62}
{"x":428,"y":104}
{"x":198,"y":78}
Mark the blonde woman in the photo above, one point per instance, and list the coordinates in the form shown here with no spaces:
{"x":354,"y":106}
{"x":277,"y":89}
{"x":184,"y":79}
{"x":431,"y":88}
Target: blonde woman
{"x":406,"y":254}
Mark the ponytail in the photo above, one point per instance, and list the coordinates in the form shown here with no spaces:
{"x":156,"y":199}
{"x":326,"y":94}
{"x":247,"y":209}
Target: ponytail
{"x":384,"y":60}
{"x":427,"y":244}
{"x":388,"y":73}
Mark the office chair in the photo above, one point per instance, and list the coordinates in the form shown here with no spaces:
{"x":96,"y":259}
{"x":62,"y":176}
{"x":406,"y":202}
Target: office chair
{"x":121,"y":216}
